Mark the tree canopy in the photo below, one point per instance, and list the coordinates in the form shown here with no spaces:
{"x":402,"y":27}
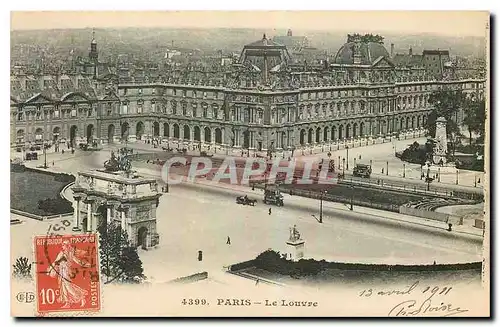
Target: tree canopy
{"x":475,"y":119}
{"x":446,"y":104}
{"x":119,"y":260}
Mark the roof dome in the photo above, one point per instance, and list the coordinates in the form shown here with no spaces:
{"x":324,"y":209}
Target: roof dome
{"x":370,"y":51}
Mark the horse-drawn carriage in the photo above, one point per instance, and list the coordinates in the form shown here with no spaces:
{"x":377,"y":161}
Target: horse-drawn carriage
{"x":245,"y":200}
{"x":272,"y":195}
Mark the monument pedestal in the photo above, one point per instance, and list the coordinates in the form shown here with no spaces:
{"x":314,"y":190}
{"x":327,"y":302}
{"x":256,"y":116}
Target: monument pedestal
{"x":295,"y":249}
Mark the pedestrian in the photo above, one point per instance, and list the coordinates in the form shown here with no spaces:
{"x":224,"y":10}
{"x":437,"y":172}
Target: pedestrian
{"x":52,"y":163}
{"x":269,"y":211}
{"x":382,"y":170}
{"x":256,"y":282}
{"x":228,"y":240}
{"x":479,"y":180}
{"x":359,"y":157}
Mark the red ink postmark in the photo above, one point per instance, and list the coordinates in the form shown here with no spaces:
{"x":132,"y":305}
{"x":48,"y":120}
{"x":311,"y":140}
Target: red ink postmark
{"x":67,"y":273}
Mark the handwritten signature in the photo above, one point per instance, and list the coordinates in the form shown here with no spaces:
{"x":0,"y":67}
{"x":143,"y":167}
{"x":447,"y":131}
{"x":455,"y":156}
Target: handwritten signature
{"x":411,"y":308}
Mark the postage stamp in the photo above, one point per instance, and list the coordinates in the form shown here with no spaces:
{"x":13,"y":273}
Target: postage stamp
{"x":67,"y":273}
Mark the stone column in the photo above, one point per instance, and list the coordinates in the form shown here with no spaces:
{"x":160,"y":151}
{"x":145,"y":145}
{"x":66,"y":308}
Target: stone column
{"x":128,"y":225}
{"x":76,"y":214}
{"x":109,"y":218}
{"x":124,"y":219}
{"x":89,"y":215}
{"x":148,"y":239}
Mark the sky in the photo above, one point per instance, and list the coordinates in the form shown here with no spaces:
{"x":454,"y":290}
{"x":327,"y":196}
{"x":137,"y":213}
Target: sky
{"x":452,"y":23}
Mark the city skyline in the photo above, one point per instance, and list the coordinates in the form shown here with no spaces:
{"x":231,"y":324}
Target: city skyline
{"x":449,"y":23}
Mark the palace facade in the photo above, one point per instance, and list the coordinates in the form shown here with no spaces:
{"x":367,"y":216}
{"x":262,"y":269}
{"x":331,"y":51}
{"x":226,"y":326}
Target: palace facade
{"x":265,"y":101}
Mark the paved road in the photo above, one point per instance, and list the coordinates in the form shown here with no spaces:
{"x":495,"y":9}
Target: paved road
{"x":207,"y":216}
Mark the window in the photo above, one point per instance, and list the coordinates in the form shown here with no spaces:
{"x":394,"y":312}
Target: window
{"x":195,"y":111}
{"x":205,"y":112}
{"x":56,"y":114}
{"x":174,"y":92}
{"x":153,"y":105}
{"x":194,"y":94}
{"x":38,"y":116}
{"x":125,"y":91}
{"x":20,"y":116}
{"x":73,"y":113}
{"x":153,"y":91}
{"x":125,"y":108}
{"x":89,"y":112}
{"x":184,"y":108}
{"x":139,"y":91}
{"x":204,"y":95}
{"x":109,"y":110}
{"x":139,"y":107}
{"x":184,"y":93}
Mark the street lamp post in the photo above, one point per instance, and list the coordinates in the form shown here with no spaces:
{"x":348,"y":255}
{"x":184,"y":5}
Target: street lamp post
{"x":343,"y":167}
{"x":456,"y":180}
{"x":339,"y":162}
{"x":352,"y":197}
{"x":387,"y":168}
{"x":347,"y":148}
{"x":439,"y":174}
{"x":428,"y":178}
{"x":404,"y":170}
{"x":321,"y":206}
{"x":475,"y":181}
{"x":45,"y":155}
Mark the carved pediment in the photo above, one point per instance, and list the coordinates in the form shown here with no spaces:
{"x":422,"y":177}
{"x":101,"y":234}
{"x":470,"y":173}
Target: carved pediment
{"x":39,"y":99}
{"x":74,"y":97}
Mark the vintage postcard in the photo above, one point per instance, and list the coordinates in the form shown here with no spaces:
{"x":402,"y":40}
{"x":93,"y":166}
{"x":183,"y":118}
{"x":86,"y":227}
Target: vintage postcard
{"x":250,"y":164}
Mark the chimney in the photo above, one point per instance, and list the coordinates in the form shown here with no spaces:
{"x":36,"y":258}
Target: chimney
{"x":410,"y":52}
{"x":392,"y":50}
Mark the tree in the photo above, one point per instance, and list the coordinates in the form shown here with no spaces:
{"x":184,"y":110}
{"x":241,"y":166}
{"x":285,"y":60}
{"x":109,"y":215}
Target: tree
{"x":446,"y":104}
{"x":475,"y":117}
{"x":131,"y":264}
{"x":119,"y":260}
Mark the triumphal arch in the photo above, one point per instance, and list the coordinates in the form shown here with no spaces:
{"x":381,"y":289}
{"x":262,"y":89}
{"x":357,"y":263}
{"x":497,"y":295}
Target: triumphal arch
{"x":111,"y":194}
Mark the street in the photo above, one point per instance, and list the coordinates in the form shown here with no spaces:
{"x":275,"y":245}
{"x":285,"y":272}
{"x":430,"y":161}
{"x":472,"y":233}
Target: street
{"x":196,"y":217}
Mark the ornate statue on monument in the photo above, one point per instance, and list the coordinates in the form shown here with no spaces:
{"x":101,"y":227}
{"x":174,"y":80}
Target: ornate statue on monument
{"x":112,"y":164}
{"x":294,"y":234}
{"x":441,"y":141}
{"x":117,"y":163}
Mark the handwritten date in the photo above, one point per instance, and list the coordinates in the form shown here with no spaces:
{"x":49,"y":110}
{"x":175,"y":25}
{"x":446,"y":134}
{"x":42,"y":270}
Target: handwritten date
{"x":406,"y":291}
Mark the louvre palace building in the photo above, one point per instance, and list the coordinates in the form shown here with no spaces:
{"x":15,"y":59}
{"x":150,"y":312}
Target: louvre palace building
{"x":271,"y":97}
